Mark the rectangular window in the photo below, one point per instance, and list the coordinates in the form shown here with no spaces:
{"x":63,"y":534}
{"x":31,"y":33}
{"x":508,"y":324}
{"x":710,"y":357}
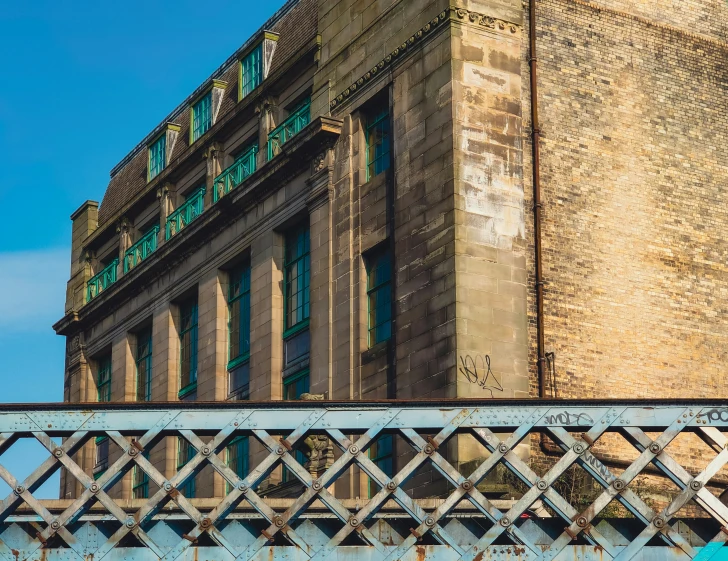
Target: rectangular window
{"x":379,"y":296}
{"x":103,"y":378}
{"x":157,"y":156}
{"x":251,"y":71}
{"x":143,"y":360}
{"x":201,"y":116}
{"x":297,"y":279}
{"x":377,"y":139}
{"x":293,"y":387}
{"x":185,"y":452}
{"x":382,"y":454}
{"x":102,"y":456}
{"x":237,"y":457}
{"x":188,"y":347}
{"x":239,"y":333}
{"x":140,"y":484}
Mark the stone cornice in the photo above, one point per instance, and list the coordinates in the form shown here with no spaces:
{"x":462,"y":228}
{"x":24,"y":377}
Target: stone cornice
{"x":452,"y":13}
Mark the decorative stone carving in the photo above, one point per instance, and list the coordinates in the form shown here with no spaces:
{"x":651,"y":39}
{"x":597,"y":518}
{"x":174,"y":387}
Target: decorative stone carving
{"x":320,"y":451}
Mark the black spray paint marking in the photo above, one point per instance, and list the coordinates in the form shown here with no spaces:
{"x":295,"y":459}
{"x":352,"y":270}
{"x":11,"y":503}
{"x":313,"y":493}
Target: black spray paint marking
{"x":477,"y":371}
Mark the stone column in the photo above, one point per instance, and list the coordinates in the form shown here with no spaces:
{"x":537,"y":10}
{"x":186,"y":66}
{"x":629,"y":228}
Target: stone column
{"x":124,"y":230}
{"x":164,"y":196}
{"x":267,"y":110}
{"x":215,"y":157}
{"x":320,"y":217}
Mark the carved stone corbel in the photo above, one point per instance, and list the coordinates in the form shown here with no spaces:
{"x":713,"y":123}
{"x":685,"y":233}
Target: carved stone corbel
{"x":320,"y":452}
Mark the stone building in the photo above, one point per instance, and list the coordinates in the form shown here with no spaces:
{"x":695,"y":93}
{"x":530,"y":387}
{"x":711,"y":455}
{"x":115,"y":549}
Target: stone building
{"x":345,"y":207}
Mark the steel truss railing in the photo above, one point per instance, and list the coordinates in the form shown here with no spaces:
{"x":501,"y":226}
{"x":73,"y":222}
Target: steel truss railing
{"x":316,"y":525}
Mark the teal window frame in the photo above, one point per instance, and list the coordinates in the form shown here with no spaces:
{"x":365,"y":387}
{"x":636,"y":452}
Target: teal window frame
{"x":188,"y":335}
{"x":378,"y":142}
{"x":103,"y":379}
{"x":297,"y":280}
{"x":143,"y":363}
{"x":140,"y":482}
{"x":157,"y":157}
{"x":379,"y":296}
{"x":185,"y":452}
{"x":202,"y":116}
{"x":381,"y":453}
{"x":299,"y":383}
{"x":237,"y":457}
{"x":251,"y":71}
{"x":102,"y":280}
{"x":238,"y":300}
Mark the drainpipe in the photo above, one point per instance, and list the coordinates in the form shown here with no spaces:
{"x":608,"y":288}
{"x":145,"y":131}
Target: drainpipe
{"x":535,"y":140}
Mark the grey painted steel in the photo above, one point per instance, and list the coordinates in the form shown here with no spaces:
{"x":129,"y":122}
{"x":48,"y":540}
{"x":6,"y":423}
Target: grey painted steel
{"x":464,"y":525}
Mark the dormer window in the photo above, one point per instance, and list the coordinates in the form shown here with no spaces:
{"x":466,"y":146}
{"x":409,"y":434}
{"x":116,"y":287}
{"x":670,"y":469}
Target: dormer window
{"x":157,"y":156}
{"x":201,"y":116}
{"x":160,"y":149}
{"x":255,"y":64}
{"x":205,"y":110}
{"x":252,"y":70}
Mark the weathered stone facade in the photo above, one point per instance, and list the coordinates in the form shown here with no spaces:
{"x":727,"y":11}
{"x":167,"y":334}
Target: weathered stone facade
{"x":633,"y":163}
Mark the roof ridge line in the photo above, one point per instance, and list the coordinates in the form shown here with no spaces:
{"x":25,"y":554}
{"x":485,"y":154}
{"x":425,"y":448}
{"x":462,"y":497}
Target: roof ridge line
{"x":275,"y":18}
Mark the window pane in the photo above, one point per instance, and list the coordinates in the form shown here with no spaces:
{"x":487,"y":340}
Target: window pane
{"x":377,"y":137}
{"x":297,"y":271}
{"x":157,"y":156}
{"x":103,"y":379}
{"x":143,"y":361}
{"x":379,"y":294}
{"x":239,"y":381}
{"x":239,"y":311}
{"x":201,"y":117}
{"x":252,"y":71}
{"x":185,"y":452}
{"x":188,"y":343}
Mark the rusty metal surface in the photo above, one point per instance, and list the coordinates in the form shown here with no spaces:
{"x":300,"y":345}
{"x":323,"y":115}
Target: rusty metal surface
{"x":462,"y":524}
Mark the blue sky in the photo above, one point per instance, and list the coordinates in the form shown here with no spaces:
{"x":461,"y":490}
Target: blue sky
{"x":81,"y":83}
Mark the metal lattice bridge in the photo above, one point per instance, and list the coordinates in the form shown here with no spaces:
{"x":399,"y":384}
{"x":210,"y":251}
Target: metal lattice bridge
{"x":558,"y":480}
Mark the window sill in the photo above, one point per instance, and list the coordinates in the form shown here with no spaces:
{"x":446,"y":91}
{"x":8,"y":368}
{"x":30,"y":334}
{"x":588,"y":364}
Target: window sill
{"x":296,"y":329}
{"x":187,"y":390}
{"x":373,"y":353}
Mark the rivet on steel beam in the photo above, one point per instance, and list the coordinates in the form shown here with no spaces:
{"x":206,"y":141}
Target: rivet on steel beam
{"x":316,"y":485}
{"x":132,"y":451}
{"x":696,"y":485}
{"x":55,"y":524}
{"x":429,"y":521}
{"x":503,"y":448}
{"x":429,"y":449}
{"x":542,"y":485}
{"x":505,"y":522}
{"x":658,"y":522}
{"x":579,"y":447}
{"x":353,"y":449}
{"x":206,"y":450}
{"x":19,"y":490}
{"x":467,"y":485}
{"x":391,"y":486}
{"x":582,"y":522}
{"x":205,"y":522}
{"x":58,"y":452}
{"x":94,"y":488}
{"x":243,"y":488}
{"x":619,"y":484}
{"x":353,"y":521}
{"x":279,"y":522}
{"x":130,"y":523}
{"x":167,"y":486}
{"x":280,"y":450}
{"x":655,"y":448}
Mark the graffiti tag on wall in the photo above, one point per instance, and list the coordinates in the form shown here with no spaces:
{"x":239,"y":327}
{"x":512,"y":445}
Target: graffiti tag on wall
{"x":477,"y":371}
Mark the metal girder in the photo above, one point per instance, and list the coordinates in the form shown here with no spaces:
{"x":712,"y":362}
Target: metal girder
{"x":461,"y":524}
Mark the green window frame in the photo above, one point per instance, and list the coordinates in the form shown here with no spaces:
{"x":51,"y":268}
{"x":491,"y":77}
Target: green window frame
{"x":381,"y":453}
{"x":378,"y":144}
{"x":140,"y":482}
{"x":202,"y":116}
{"x":237,"y":457}
{"x":293,"y":387}
{"x":143,"y":362}
{"x":157,"y":156}
{"x":251,"y":71}
{"x":188,"y":347}
{"x":297,"y":271}
{"x":103,"y":379}
{"x":185,"y":452}
{"x":379,"y":296}
{"x":239,"y":332}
